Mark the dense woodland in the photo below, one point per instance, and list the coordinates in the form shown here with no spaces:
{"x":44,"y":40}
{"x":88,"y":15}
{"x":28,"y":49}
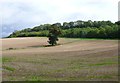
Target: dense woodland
{"x":76,"y":29}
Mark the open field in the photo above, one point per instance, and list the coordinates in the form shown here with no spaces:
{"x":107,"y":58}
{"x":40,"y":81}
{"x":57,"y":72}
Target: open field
{"x":30,"y":59}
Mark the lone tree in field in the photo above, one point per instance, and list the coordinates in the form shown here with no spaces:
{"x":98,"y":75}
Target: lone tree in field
{"x":54,"y":32}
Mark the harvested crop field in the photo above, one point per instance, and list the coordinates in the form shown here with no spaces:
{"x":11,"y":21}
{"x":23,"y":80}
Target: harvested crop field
{"x":32,"y":59}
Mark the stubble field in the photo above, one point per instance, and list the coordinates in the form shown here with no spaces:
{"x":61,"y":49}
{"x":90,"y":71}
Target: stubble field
{"x":32,"y":59}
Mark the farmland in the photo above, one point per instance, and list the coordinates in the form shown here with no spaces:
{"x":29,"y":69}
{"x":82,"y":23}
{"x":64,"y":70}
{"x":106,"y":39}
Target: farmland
{"x":32,"y":59}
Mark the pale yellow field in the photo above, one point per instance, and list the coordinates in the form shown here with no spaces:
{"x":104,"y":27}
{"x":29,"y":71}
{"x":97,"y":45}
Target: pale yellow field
{"x":73,"y":59}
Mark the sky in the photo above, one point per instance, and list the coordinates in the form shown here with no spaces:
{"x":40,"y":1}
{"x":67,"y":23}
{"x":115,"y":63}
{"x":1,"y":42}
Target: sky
{"x":20,"y":14}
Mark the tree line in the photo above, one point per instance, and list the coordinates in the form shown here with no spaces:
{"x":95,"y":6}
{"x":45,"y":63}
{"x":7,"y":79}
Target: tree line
{"x":76,"y":29}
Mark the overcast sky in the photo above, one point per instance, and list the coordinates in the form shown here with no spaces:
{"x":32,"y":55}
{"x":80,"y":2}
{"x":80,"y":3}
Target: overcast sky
{"x":19,"y":14}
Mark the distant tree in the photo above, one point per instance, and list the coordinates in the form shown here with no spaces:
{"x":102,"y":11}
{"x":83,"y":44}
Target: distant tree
{"x":118,"y":22}
{"x":54,"y":32}
{"x":57,"y":24}
{"x":102,"y":33}
{"x":71,"y":24}
{"x":66,"y":25}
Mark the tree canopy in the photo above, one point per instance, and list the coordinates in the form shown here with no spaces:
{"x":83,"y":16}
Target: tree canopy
{"x":76,"y":29}
{"x":54,"y":32}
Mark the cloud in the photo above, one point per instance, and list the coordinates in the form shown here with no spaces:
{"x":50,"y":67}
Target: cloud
{"x":28,"y":13}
